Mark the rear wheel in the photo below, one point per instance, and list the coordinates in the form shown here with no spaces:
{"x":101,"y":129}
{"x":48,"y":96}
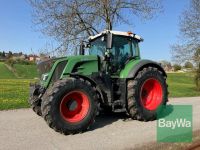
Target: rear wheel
{"x":70,"y":106}
{"x":146,"y":93}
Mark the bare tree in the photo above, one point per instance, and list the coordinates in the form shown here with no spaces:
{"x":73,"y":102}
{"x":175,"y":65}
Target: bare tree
{"x":197,"y":71}
{"x":189,"y":49}
{"x":69,"y":21}
{"x":189,"y":33}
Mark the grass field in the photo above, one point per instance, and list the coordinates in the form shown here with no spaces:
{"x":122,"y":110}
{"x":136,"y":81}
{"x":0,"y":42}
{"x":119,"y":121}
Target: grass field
{"x":181,"y":85}
{"x":5,"y":73}
{"x":18,"y":71}
{"x":15,"y":92}
{"x":26,"y":71}
{"x":14,"y":85}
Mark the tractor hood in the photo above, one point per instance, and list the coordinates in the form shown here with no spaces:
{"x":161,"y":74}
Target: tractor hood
{"x":46,"y":65}
{"x":53,"y":69}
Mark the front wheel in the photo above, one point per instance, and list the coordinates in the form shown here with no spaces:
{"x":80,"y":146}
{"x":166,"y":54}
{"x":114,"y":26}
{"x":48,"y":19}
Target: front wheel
{"x":70,"y":106}
{"x":146,"y":93}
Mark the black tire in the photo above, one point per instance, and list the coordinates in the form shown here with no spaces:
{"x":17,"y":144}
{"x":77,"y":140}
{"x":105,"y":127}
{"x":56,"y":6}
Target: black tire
{"x":135,"y":107}
{"x":52,"y":101}
{"x":35,"y":102}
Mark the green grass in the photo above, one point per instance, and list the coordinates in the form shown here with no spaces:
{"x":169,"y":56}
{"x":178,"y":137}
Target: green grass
{"x":18,"y":71}
{"x":5,"y":73}
{"x":14,"y":93}
{"x":26,"y":71}
{"x":181,"y":85}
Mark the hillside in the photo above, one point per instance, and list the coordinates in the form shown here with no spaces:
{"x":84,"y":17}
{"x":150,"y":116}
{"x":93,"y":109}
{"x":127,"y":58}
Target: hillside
{"x":5,"y":73}
{"x":18,"y":71}
{"x":25,"y":71}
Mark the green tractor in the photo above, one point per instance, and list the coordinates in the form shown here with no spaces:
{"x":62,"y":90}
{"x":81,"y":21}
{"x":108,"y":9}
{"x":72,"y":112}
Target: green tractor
{"x":110,"y":77}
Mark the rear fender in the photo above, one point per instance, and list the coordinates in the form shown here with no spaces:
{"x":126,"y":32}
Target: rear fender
{"x":143,"y":64}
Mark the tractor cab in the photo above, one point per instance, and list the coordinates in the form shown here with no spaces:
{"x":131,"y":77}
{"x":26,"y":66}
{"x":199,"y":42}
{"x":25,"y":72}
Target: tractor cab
{"x":116,"y":47}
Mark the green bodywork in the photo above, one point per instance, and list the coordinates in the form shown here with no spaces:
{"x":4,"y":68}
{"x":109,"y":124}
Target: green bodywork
{"x":87,"y":65}
{"x":128,"y":67}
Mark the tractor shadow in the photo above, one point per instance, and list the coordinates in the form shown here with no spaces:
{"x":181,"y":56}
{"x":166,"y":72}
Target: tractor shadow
{"x":104,"y":119}
{"x":166,"y":111}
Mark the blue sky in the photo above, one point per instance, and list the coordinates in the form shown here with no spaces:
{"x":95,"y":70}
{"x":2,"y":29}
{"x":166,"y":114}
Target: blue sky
{"x":17,"y":33}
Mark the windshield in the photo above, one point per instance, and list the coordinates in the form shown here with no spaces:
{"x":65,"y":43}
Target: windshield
{"x":122,"y":48}
{"x":97,"y":47}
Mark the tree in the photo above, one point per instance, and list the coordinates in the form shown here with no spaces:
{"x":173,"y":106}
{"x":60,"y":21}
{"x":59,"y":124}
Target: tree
{"x":197,"y":70}
{"x":177,"y":67}
{"x":9,"y":54}
{"x":189,"y":47}
{"x":188,"y":65}
{"x":3,"y":54}
{"x":69,"y":21}
{"x":197,"y":77}
{"x":189,"y":33}
{"x":197,"y":57}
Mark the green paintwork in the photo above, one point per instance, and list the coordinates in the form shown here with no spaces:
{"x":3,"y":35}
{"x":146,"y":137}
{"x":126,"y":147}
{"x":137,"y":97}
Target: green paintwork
{"x":87,"y":65}
{"x":124,"y":72}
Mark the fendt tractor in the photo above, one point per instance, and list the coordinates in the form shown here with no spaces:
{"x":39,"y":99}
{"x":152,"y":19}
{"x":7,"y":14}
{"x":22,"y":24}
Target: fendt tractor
{"x":110,"y":77}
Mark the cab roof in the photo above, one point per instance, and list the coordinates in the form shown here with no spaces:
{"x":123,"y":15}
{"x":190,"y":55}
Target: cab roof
{"x":128,"y":34}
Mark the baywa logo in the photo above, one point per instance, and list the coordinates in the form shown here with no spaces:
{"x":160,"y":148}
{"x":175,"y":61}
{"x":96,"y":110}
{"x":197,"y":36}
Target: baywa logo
{"x":174,"y":124}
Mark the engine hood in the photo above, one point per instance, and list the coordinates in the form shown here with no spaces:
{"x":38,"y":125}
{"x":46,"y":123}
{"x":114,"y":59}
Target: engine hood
{"x":54,"y":69}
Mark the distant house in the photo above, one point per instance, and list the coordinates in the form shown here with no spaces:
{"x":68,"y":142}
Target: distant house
{"x":33,"y":58}
{"x":168,"y":68}
{"x":19,"y":56}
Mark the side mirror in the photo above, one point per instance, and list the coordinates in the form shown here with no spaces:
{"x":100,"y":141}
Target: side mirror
{"x":109,"y":41}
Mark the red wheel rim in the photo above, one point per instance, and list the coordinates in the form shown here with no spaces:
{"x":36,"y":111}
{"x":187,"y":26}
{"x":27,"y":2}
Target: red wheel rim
{"x":74,"y":106}
{"x":151,"y":94}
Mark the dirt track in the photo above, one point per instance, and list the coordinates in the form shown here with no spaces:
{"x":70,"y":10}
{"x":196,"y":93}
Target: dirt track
{"x":22,"y":129}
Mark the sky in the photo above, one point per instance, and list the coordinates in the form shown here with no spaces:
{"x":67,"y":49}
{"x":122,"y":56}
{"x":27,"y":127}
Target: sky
{"x":18,"y":33}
